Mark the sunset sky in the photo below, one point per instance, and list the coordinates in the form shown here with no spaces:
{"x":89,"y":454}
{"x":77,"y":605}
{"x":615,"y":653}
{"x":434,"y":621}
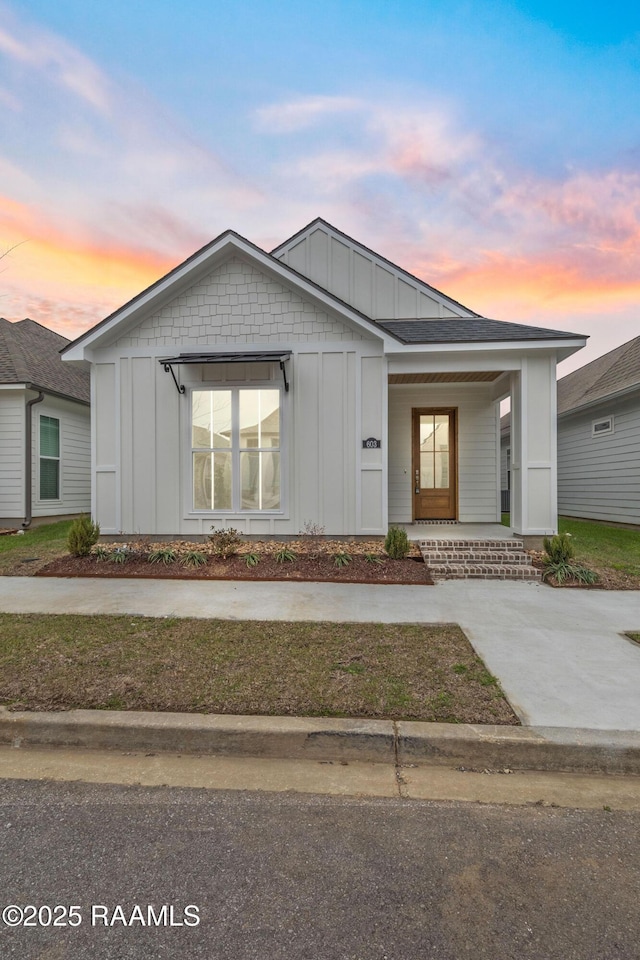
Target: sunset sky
{"x":491,"y":148}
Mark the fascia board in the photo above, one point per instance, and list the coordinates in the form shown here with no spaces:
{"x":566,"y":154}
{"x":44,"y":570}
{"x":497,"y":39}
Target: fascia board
{"x":489,"y":346}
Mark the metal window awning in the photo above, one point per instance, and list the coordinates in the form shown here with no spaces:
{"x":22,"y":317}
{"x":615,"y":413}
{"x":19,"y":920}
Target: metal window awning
{"x":269,"y":356}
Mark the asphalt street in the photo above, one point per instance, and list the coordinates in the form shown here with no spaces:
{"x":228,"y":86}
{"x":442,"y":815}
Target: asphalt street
{"x":302,"y":876}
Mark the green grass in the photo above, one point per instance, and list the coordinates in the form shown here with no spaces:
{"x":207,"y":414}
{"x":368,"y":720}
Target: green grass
{"x":395,"y":671}
{"x":600,"y":545}
{"x":23,"y":554}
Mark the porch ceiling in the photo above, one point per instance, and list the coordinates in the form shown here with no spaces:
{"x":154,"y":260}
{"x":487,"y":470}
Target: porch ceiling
{"x":466,"y":376}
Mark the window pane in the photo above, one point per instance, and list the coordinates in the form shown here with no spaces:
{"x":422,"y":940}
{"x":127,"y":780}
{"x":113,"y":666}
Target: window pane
{"x":426,"y":431}
{"x":211,"y":418}
{"x":442,"y":469}
{"x":49,"y":479}
{"x":260,"y":474}
{"x":208,"y":494}
{"x":441,"y":431}
{"x":49,"y":437}
{"x":259,"y":418}
{"x":426,"y":471}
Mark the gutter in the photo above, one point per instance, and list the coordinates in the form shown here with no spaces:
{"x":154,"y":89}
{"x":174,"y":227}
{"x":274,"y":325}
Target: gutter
{"x":28,"y":459}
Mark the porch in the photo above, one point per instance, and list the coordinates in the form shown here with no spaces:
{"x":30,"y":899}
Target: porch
{"x":444,"y":442}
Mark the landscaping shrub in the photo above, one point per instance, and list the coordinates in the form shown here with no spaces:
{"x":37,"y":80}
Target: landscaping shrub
{"x":193,"y":558}
{"x":559,"y":549}
{"x":225,"y":542}
{"x":163,"y":555}
{"x":559,"y":561}
{"x":83,"y":535}
{"x":284,"y":555}
{"x":396,"y":543}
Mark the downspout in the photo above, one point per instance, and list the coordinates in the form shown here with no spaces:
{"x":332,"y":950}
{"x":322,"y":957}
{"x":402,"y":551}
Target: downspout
{"x":28,"y":459}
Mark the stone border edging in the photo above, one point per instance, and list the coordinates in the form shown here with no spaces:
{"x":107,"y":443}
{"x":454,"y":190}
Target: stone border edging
{"x":380,"y":741}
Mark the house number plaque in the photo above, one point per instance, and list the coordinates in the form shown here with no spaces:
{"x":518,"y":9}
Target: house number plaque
{"x":371,"y":444}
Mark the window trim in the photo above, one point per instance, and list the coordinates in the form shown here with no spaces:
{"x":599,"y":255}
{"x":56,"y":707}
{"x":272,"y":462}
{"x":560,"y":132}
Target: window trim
{"x":236,"y":510}
{"x":607,"y":431}
{"x":41,"y":457}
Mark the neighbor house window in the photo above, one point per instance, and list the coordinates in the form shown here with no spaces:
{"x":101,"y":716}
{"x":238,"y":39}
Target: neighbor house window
{"x":49,"y":458}
{"x":598,"y":427}
{"x":235,"y":449}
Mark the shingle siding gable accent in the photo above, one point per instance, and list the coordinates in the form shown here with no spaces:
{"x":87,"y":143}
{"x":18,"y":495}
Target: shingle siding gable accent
{"x":236,"y":302}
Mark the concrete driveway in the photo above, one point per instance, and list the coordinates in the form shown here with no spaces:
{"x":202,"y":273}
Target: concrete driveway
{"x":560,"y":654}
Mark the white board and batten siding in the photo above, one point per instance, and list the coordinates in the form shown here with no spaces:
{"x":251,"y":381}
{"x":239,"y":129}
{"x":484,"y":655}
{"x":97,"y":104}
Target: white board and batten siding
{"x":599,"y":476}
{"x":478,"y":449}
{"x":362,"y":279}
{"x":337,"y":396}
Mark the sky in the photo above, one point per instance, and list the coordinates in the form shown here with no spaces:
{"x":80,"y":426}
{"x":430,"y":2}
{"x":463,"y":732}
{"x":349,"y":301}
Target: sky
{"x":490,"y":148}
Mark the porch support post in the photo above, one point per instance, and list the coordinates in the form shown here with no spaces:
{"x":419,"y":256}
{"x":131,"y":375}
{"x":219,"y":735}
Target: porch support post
{"x":534,"y":479}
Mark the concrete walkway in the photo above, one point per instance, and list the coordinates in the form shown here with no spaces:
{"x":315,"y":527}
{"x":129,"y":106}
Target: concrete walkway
{"x":559,"y":654}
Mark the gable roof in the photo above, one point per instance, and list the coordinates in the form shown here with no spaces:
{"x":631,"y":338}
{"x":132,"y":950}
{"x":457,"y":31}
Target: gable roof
{"x":319,"y":221}
{"x":30,"y":353}
{"x":613,"y":373}
{"x":393,"y":333}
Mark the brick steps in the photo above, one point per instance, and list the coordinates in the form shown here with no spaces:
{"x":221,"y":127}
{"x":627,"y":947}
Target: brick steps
{"x":504,"y":559}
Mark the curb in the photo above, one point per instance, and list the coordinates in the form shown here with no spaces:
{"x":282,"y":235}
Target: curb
{"x":379,"y":741}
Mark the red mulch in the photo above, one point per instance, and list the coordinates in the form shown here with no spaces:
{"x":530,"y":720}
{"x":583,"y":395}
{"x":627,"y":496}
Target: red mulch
{"x":412,"y":570}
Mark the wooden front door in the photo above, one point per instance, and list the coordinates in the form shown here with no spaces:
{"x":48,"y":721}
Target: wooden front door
{"x":435,"y":464}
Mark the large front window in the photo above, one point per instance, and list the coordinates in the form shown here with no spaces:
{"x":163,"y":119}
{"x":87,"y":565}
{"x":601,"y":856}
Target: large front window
{"x":235,"y":439}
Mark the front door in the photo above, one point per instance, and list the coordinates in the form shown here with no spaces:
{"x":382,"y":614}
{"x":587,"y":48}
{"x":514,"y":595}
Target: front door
{"x":434,"y":464}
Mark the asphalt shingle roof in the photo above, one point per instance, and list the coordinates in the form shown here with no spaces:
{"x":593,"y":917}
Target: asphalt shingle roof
{"x":468,"y":330}
{"x":30,"y":353}
{"x":615,"y":371}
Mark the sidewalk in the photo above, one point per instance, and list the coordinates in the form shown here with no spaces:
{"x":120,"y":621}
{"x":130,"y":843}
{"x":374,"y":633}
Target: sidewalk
{"x":559,"y":654}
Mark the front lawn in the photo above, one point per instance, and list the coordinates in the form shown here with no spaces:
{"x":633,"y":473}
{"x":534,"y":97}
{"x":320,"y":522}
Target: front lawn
{"x":23,"y":554}
{"x":392,"y":671}
{"x":601,"y":546}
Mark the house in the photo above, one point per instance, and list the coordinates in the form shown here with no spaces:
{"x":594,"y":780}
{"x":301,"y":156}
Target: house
{"x":599,"y":438}
{"x":318,"y":383}
{"x":45,"y":455}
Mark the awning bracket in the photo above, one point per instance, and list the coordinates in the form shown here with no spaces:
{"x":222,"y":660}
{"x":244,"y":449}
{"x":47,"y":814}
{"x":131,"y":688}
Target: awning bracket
{"x":284,"y":376}
{"x":169,"y":369}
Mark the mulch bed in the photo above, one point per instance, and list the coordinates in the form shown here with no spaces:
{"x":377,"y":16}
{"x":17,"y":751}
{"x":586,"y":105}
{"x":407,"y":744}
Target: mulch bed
{"x":412,"y":570}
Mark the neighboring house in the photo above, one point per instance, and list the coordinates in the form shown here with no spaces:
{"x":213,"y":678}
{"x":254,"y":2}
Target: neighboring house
{"x":318,"y":383}
{"x":599,"y":438}
{"x":45,"y":455}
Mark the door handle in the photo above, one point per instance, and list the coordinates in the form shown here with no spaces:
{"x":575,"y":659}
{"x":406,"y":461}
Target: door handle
{"x":417,"y":481}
